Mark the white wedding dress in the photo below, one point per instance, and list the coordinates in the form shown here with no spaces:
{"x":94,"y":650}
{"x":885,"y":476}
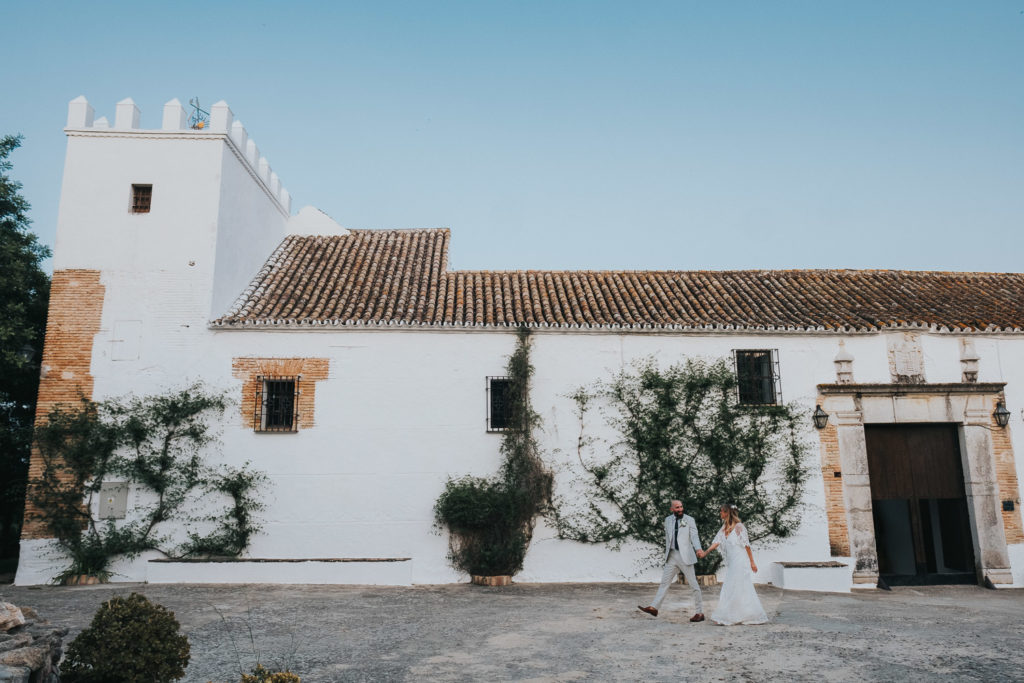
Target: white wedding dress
{"x":738,"y":602}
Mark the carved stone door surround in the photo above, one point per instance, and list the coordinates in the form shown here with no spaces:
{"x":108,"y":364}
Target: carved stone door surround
{"x":970,"y":407}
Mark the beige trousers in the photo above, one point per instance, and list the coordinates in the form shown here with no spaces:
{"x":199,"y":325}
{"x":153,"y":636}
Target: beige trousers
{"x":674,"y":566}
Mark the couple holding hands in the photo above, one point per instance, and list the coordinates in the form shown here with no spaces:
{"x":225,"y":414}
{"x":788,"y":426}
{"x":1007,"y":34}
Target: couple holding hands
{"x":738,"y":602}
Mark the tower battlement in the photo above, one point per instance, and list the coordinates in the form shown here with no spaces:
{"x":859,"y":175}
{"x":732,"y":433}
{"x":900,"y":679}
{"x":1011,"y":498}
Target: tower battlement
{"x":223,"y":125}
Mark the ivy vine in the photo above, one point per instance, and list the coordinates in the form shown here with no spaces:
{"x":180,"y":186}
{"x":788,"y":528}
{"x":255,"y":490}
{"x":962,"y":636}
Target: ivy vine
{"x":682,"y":433}
{"x":155,"y":445}
{"x":490,"y":520}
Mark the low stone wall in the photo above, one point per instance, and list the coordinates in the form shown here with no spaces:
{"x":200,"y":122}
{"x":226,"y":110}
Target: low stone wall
{"x":30,"y":647}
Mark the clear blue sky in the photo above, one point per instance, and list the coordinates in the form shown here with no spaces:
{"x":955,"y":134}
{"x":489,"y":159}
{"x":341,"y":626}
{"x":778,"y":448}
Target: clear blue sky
{"x":677,"y":135}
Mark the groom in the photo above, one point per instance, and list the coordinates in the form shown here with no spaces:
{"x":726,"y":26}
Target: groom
{"x":682,"y":548}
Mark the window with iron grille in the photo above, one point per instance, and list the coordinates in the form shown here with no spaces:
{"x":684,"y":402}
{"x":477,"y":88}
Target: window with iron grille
{"x":757,"y":372}
{"x":498,"y":397}
{"x":277,"y":403}
{"x":142,"y":198}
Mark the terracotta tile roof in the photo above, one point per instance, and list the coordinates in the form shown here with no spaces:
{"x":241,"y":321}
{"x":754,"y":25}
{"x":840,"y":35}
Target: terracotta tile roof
{"x":401,"y":277}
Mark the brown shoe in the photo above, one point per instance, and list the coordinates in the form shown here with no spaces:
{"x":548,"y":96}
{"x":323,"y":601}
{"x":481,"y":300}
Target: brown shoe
{"x":697,"y":617}
{"x":650,"y":610}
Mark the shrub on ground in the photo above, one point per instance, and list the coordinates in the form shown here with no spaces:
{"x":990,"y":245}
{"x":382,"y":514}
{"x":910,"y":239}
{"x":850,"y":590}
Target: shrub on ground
{"x":130,"y":639}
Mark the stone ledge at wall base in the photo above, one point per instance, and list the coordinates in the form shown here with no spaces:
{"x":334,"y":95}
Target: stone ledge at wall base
{"x":361,"y":571}
{"x":30,"y":651}
{"x":500,"y":580}
{"x":827,"y":577}
{"x":705,"y":580}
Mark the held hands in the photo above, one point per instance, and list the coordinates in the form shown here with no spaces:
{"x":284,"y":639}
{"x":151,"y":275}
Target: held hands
{"x":701,"y":554}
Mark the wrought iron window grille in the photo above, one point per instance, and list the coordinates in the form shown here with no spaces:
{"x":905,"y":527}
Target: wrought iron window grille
{"x":142,"y":198}
{"x":498,"y":403}
{"x":757,"y":375}
{"x":277,"y":403}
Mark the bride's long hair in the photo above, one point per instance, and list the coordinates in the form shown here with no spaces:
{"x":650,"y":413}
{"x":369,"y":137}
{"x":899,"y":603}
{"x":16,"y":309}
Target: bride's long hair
{"x":734,"y":515}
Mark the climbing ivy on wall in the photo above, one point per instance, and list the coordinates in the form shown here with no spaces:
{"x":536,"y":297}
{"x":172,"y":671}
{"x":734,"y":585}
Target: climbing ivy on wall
{"x":682,"y":433}
{"x":155,"y":444}
{"x":490,"y":520}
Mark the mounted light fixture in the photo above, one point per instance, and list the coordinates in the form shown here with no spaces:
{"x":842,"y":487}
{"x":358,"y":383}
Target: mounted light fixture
{"x":1002,"y":415}
{"x":27,"y":353}
{"x":820,"y":417}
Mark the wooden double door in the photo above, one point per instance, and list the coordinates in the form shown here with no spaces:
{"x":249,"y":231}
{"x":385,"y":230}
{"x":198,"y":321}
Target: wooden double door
{"x":922,"y":526}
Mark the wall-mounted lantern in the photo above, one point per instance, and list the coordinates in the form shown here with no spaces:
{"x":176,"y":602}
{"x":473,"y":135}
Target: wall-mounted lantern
{"x":1002,"y":415}
{"x":27,"y":353}
{"x":820,"y":417}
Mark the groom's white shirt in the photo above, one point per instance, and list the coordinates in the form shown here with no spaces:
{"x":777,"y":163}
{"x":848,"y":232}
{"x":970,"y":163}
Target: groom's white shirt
{"x":689,"y":541}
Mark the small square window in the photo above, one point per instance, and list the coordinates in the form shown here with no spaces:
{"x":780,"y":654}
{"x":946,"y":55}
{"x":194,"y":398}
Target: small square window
{"x":142,"y":198}
{"x":499,"y":395}
{"x":277,"y":404}
{"x":757,"y":373}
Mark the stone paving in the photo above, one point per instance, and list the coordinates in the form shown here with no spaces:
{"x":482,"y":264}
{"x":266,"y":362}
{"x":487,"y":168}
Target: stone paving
{"x":558,"y":632}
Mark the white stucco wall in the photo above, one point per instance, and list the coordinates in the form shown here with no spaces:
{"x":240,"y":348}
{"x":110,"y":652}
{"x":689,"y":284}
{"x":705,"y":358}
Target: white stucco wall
{"x":250,"y":225}
{"x":402,"y":410}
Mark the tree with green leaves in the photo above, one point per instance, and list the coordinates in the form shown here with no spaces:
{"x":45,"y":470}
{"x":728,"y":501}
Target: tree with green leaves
{"x":24,"y":294}
{"x":683,"y":434}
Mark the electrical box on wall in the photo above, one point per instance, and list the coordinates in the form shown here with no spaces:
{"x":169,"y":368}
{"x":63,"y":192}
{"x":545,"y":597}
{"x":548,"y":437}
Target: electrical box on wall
{"x":113,"y":500}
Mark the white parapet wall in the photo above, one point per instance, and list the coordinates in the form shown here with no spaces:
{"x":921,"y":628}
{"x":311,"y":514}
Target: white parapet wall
{"x":827,"y":577}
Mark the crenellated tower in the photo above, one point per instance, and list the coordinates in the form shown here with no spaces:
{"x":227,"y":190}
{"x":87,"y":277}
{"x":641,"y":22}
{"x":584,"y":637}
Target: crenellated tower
{"x":195,"y":205}
{"x":158,"y":230}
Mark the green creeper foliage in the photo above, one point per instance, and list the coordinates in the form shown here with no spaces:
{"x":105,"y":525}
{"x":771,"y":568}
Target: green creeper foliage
{"x":490,"y":520}
{"x":156,"y":444}
{"x":683,"y":434}
{"x":24,"y":294}
{"x":129,"y":640}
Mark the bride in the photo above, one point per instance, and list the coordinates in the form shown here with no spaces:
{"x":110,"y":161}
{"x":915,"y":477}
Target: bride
{"x":738,"y":603}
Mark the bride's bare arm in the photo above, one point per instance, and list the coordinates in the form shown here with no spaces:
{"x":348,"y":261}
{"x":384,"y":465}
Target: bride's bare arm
{"x":753,"y":567}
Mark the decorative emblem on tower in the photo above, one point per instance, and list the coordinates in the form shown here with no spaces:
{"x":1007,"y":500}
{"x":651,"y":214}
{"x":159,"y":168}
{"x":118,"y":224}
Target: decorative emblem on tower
{"x":199,"y":118}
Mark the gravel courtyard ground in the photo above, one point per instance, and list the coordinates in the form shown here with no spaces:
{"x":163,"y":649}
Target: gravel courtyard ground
{"x":546,"y":632}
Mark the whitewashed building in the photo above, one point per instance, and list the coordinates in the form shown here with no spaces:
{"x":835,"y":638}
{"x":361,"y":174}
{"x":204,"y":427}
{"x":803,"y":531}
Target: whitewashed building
{"x":178,"y":258}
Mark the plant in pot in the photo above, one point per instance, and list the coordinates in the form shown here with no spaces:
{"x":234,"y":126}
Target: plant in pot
{"x":490,"y":520}
{"x":90,"y":562}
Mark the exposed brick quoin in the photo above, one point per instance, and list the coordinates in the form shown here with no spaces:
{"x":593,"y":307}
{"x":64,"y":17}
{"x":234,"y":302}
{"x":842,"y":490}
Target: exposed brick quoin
{"x":835,"y":506}
{"x":248,"y":369}
{"x":73,"y":320}
{"x":401,"y":277}
{"x":1006,"y":478}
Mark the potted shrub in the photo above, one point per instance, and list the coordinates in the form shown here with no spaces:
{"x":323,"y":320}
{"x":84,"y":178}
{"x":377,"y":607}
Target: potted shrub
{"x":490,"y":520}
